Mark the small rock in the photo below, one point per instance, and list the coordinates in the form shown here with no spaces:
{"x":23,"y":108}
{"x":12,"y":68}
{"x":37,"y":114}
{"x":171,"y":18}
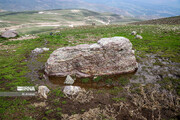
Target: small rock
{"x":139,"y":37}
{"x":45,"y":49}
{"x":40,"y":50}
{"x":71,"y":26}
{"x":43,"y":91}
{"x":69,"y":80}
{"x":9,"y":34}
{"x":93,"y":24}
{"x":133,"y":33}
{"x":71,"y":90}
{"x":41,"y":104}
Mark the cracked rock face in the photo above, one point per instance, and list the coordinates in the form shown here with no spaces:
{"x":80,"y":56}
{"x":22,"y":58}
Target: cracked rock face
{"x":106,"y":57}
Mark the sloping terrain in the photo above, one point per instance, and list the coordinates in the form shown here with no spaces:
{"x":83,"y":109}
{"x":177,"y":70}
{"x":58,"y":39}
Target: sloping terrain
{"x":26,"y":5}
{"x":147,"y":9}
{"x":137,"y":8}
{"x":169,"y":21}
{"x":30,"y":21}
{"x":153,"y":92}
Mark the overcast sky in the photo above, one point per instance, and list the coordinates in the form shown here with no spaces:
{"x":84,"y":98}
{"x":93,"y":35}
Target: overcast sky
{"x":175,"y":3}
{"x":160,"y":1}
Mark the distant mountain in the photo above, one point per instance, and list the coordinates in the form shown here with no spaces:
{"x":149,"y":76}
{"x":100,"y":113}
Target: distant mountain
{"x":138,"y":8}
{"x":144,"y":8}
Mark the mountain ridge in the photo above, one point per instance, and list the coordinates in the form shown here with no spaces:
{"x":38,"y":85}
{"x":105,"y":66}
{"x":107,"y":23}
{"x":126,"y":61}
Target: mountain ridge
{"x":134,"y":8}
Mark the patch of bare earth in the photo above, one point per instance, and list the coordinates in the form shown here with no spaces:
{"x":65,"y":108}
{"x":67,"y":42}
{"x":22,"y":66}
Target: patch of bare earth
{"x":7,"y":47}
{"x":23,"y":38}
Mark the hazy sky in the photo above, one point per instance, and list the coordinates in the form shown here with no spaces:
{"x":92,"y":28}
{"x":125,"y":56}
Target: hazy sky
{"x":175,"y":3}
{"x":159,"y":1}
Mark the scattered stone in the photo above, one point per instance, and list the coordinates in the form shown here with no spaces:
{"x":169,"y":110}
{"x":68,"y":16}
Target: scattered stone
{"x":26,"y":37}
{"x":41,"y":104}
{"x":71,"y":90}
{"x":133,"y":33}
{"x":108,"y":56}
{"x":69,"y":80}
{"x":71,"y":26}
{"x":9,"y":34}
{"x":82,"y":96}
{"x":93,"y":24}
{"x":40,"y":50}
{"x":54,"y":34}
{"x":43,"y":91}
{"x":139,"y":37}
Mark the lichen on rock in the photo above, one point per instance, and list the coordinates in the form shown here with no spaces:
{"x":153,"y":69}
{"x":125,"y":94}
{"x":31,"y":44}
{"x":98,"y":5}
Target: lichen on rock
{"x":106,"y":57}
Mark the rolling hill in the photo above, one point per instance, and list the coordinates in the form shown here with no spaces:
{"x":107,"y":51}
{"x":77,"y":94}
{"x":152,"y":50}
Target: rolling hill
{"x":31,"y":5}
{"x":170,"y":21}
{"x":50,"y":19}
{"x":136,"y":8}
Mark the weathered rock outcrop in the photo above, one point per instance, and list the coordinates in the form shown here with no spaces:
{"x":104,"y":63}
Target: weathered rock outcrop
{"x":107,"y":56}
{"x":9,"y":34}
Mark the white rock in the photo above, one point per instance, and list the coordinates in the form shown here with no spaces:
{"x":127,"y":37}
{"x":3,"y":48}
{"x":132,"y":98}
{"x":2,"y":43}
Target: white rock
{"x":40,"y":50}
{"x":45,"y":49}
{"x":133,"y":33}
{"x":40,"y":12}
{"x":71,"y":90}
{"x":43,"y":91}
{"x":71,"y":26}
{"x":69,"y":80}
{"x":139,"y":37}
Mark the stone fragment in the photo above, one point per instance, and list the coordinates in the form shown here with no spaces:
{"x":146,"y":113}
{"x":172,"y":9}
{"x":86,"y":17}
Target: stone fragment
{"x":43,"y":91}
{"x":40,"y":50}
{"x":139,"y":37}
{"x":69,"y":80}
{"x":71,"y":90}
{"x":133,"y":33}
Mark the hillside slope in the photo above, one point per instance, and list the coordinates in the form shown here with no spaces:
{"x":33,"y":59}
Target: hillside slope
{"x":169,"y":20}
{"x":58,"y":18}
{"x":31,"y":5}
{"x":149,"y":9}
{"x":137,"y":8}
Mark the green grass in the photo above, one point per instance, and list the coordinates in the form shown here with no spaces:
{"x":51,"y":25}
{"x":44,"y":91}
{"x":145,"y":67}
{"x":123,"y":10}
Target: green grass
{"x":13,"y":64}
{"x":85,"y":80}
{"x":28,"y":20}
{"x":97,"y":79}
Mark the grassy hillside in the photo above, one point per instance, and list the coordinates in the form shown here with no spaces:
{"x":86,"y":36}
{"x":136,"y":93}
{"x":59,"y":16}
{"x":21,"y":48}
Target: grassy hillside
{"x":170,"y":21}
{"x":26,"y":21}
{"x":150,"y":98}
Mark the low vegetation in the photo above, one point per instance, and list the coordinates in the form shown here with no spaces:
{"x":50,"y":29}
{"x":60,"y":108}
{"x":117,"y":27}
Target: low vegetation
{"x":160,"y":40}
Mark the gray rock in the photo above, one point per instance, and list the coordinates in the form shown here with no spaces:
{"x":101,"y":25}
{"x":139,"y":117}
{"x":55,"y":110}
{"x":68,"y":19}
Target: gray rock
{"x":133,"y":33}
{"x":71,"y":90}
{"x":139,"y":37}
{"x":9,"y":34}
{"x":106,"y":57}
{"x":43,"y":91}
{"x":40,"y":50}
{"x":69,"y":80}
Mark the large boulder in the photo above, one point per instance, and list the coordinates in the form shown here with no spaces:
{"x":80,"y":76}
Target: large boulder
{"x":106,"y":57}
{"x":9,"y":34}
